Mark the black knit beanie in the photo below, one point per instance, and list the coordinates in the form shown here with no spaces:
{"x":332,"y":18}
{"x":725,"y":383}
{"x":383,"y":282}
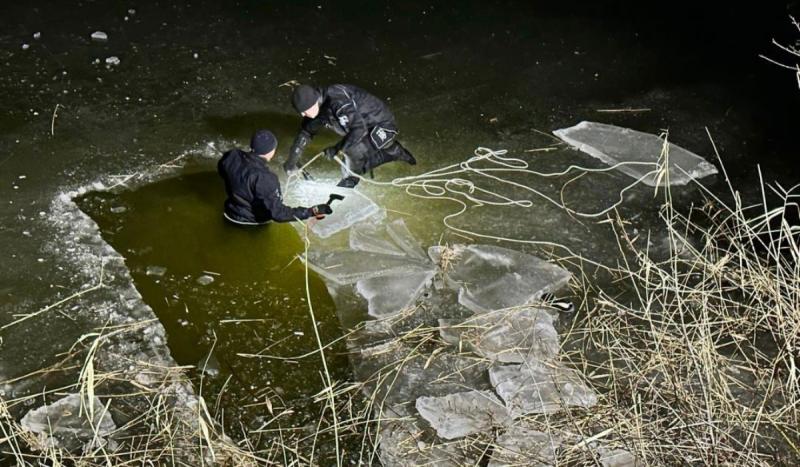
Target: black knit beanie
{"x":303,"y":97}
{"x":263,"y":142}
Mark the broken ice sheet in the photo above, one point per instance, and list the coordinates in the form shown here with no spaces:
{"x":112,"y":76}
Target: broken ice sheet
{"x":612,"y":145}
{"x":390,"y":273}
{"x":535,"y":388}
{"x":521,"y":445}
{"x":617,"y":458}
{"x":389,"y":295}
{"x":367,"y":236}
{"x":396,"y":374}
{"x":402,"y":444}
{"x":67,"y":424}
{"x":349,"y":266}
{"x":513,"y":335}
{"x":354,"y":208}
{"x":491,"y":277}
{"x":405,"y":240}
{"x":463,"y":413}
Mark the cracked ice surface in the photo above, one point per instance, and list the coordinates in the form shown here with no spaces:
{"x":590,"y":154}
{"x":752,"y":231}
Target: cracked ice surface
{"x":405,"y":374}
{"x":398,"y":231}
{"x":367,"y":237}
{"x":491,"y":277}
{"x":402,"y":442}
{"x":66,"y":423}
{"x":387,"y":264}
{"x":612,"y":145}
{"x":617,"y":458}
{"x":354,"y":208}
{"x":348,"y":266}
{"x":387,"y":295}
{"x":520,"y":445}
{"x":514,"y":335}
{"x":463,"y":413}
{"x":532,"y":388}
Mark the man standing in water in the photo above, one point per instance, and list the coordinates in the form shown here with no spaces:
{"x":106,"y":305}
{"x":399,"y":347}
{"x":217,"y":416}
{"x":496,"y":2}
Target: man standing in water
{"x":365,"y":122}
{"x":254,"y":193}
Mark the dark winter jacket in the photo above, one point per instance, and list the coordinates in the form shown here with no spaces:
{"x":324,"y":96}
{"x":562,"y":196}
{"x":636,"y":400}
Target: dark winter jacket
{"x":350,"y":112}
{"x":254,"y":193}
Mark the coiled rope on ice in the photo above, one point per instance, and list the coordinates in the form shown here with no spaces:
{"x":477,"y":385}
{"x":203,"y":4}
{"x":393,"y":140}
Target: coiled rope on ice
{"x":448,"y":183}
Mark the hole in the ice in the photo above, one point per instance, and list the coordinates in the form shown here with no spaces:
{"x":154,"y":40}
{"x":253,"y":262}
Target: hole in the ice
{"x":237,"y":290}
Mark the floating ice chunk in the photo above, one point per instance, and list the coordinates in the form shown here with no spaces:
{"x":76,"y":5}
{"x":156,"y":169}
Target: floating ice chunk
{"x":205,"y":279}
{"x":521,"y":445}
{"x":532,"y":388}
{"x":463,"y":413}
{"x":354,"y":208}
{"x":112,"y":60}
{"x":407,"y":374}
{"x":157,"y":271}
{"x":366,"y":236}
{"x":66,"y":423}
{"x":405,"y":240}
{"x":402,"y":444}
{"x":617,"y":458}
{"x":612,"y":145}
{"x":491,"y":277}
{"x":348,"y":266}
{"x":99,"y":36}
{"x":513,"y":335}
{"x":388,"y":295}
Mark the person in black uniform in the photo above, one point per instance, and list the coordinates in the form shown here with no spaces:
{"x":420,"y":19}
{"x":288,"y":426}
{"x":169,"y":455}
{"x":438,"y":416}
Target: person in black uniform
{"x":365,"y":122}
{"x":254,"y":194}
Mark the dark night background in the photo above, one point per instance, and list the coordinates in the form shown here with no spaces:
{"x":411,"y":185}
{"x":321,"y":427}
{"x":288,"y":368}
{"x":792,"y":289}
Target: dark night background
{"x":709,"y":49}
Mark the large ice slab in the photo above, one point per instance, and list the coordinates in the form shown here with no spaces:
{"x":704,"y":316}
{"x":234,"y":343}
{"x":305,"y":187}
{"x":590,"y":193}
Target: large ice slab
{"x":531,"y":388}
{"x":354,"y":208}
{"x":463,"y":413}
{"x":513,"y":335}
{"x":387,"y":264}
{"x":368,"y":236}
{"x":398,"y":231}
{"x":491,"y":277}
{"x":388,"y":295}
{"x":349,"y":266}
{"x":612,"y":145}
{"x":522,"y":445}
{"x":67,"y":424}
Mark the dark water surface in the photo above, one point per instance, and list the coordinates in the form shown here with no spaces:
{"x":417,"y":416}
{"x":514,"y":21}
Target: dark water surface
{"x":252,"y":318}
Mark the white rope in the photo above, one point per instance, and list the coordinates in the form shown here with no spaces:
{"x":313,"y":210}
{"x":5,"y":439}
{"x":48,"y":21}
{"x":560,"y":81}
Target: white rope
{"x":448,"y":183}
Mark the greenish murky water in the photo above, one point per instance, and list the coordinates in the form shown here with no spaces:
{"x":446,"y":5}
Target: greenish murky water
{"x":253,"y":319}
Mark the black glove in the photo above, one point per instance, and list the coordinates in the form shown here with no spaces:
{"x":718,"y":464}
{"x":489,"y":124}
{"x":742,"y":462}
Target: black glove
{"x":321,"y":210}
{"x":330,"y":152}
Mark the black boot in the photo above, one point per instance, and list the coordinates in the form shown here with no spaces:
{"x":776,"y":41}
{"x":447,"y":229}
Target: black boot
{"x":396,"y":152}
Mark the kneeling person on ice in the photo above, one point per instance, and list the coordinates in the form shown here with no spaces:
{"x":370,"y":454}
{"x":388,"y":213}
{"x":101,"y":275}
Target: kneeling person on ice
{"x":365,"y":123}
{"x":254,"y":193}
